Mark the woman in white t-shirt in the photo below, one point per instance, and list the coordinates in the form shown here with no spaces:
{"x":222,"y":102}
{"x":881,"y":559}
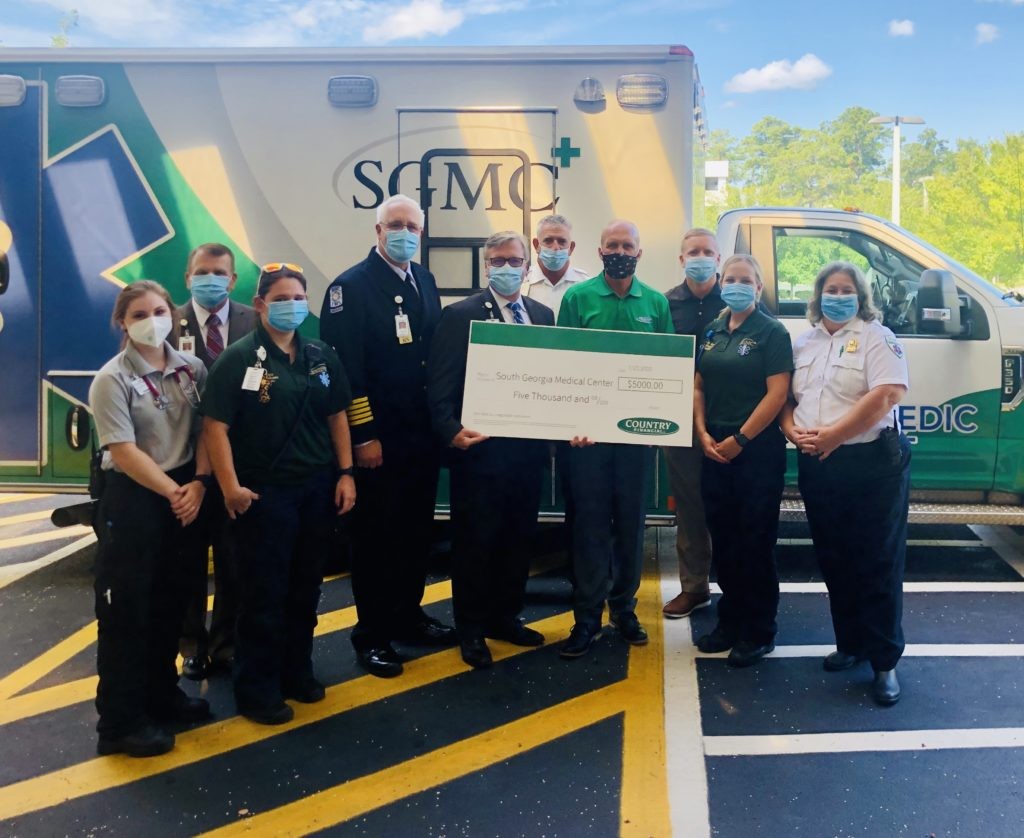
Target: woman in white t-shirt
{"x":854,"y":469}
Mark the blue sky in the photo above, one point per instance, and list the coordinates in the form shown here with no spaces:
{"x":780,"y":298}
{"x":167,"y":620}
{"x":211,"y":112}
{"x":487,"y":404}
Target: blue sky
{"x":957,"y":63}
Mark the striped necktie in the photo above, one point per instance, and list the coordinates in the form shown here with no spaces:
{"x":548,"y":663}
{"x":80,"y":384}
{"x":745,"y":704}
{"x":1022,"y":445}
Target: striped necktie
{"x":214,"y":342}
{"x":517,"y":312}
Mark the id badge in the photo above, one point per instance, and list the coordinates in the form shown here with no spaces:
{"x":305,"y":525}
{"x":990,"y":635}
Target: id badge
{"x":403,"y":330}
{"x":253,"y":378}
{"x":187,"y":343}
{"x":139,"y":386}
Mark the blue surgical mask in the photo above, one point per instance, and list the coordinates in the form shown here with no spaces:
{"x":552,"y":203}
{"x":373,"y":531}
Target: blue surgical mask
{"x":554,"y":260}
{"x":839,"y":308}
{"x":506,"y":280}
{"x":287,"y":315}
{"x":209,"y":290}
{"x":401,"y":245}
{"x":738,"y":296}
{"x":700,"y":268}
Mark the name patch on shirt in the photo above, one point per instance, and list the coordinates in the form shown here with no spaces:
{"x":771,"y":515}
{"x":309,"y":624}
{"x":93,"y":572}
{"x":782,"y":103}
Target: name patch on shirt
{"x":643,"y":318}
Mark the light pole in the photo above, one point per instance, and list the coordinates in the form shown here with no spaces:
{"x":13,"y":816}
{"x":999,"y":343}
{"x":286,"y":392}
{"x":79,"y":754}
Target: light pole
{"x":896,"y":122}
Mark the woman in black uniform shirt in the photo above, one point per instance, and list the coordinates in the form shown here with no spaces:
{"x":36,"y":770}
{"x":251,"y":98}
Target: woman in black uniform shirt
{"x":742,"y":382}
{"x":279,"y":441}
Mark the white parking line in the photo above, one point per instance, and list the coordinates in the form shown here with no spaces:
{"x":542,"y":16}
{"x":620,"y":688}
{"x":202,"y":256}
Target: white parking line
{"x":909,"y":588}
{"x":14,"y":572}
{"x":834,"y":743}
{"x":915,"y":650}
{"x":684,"y":751}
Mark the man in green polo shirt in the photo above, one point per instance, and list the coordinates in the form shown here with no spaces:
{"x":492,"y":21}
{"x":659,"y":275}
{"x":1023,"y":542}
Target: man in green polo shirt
{"x":609,"y":480}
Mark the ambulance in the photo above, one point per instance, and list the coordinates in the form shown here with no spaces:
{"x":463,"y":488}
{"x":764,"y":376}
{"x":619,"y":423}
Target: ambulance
{"x":115,"y":163}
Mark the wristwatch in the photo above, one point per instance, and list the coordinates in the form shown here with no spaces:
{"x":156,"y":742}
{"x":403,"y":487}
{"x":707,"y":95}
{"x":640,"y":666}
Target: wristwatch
{"x":346,"y":472}
{"x":205,"y":479}
{"x":741,"y":439}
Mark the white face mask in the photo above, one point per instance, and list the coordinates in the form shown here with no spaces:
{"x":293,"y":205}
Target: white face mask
{"x":151,"y":332}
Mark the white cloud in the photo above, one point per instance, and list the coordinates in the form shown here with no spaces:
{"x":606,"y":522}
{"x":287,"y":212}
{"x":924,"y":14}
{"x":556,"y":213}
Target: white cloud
{"x":985,"y":33}
{"x":417,"y":20}
{"x":803,"y":74}
{"x":901,"y":28}
{"x":142,"y":20}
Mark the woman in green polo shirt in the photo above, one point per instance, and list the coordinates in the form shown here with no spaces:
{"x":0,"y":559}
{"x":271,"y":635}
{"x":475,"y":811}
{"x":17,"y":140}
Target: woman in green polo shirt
{"x":278,"y":437}
{"x":742,"y":383}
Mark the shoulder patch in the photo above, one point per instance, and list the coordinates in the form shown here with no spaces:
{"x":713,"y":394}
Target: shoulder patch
{"x":336,"y":299}
{"x":894,"y":346}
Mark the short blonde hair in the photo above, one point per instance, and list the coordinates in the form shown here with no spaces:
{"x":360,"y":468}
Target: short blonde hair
{"x":697,"y":232}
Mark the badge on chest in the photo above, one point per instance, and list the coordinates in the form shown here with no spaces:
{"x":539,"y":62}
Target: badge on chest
{"x":403,"y":328}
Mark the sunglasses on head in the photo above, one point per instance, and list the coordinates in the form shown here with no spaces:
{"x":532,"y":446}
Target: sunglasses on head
{"x":274,"y":267}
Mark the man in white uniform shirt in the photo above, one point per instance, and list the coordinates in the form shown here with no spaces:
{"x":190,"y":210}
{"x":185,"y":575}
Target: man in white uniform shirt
{"x":552,"y":275}
{"x":209,"y":322}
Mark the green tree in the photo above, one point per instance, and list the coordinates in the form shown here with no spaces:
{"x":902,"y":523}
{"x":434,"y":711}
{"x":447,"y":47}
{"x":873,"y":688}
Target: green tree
{"x":67,"y":23}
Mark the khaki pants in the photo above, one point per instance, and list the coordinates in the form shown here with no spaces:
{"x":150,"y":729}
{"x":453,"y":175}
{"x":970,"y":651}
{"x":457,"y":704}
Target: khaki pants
{"x":693,"y":543}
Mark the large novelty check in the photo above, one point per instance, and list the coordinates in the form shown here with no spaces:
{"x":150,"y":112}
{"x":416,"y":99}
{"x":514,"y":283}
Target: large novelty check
{"x":544,"y":382}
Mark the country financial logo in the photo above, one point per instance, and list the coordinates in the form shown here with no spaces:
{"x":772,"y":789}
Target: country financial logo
{"x":647,"y":427}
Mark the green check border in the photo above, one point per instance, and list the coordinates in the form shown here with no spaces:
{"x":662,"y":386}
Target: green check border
{"x":484,"y":332}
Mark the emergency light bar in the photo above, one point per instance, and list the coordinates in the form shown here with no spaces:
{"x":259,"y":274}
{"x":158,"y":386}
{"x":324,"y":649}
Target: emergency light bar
{"x":352,"y":91}
{"x":12,"y":91}
{"x":80,"y":91}
{"x":642,"y":90}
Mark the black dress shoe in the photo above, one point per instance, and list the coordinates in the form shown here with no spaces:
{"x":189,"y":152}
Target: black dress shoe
{"x":195,"y":667}
{"x":476,"y":653}
{"x":275,"y":714}
{"x":581,"y":638}
{"x":747,"y":653}
{"x":719,"y":640}
{"x":429,"y":632}
{"x":306,"y":691}
{"x":516,"y":633}
{"x":630,"y":629}
{"x":380,"y":661}
{"x":886,"y":688}
{"x":147,"y":741}
{"x":838,"y":661}
{"x":182,"y":708}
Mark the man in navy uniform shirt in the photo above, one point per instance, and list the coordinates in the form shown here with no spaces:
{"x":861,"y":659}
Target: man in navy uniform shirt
{"x":380,"y":316}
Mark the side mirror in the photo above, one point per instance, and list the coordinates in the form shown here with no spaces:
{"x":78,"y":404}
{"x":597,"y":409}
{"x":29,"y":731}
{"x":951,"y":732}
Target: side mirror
{"x":938,"y":304}
{"x":5,"y":272}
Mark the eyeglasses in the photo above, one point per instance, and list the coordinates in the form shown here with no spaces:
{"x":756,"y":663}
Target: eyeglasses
{"x":395,"y":226}
{"x":501,"y":261}
{"x":274,"y":267}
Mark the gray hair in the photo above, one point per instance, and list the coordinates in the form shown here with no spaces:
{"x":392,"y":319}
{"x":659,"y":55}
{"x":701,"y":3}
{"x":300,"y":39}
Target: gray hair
{"x":866,"y":309}
{"x":551,"y":221}
{"x":395,"y":201}
{"x":496,"y":240}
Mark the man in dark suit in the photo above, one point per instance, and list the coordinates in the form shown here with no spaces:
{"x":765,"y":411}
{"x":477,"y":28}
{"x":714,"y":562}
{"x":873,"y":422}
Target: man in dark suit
{"x":208,"y":322}
{"x":380,"y":317}
{"x":495,"y":483}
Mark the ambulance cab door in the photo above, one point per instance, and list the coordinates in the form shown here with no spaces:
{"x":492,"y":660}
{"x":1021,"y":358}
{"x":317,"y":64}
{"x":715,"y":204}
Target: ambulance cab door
{"x":951,"y":412}
{"x":20,"y":317}
{"x":475,"y":172}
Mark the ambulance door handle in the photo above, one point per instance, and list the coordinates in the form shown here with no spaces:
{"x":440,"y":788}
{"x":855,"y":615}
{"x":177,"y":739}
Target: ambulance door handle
{"x":76,"y":428}
{"x":5,"y":272}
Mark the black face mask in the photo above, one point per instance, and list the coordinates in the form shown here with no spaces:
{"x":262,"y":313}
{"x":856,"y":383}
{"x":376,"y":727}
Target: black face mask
{"x":618,"y":265}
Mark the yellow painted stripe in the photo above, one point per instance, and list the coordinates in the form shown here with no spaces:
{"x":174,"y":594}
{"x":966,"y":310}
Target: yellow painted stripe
{"x":644,"y":804}
{"x":357,"y":797}
{"x":21,"y":497}
{"x":47,"y":700}
{"x":43,"y":665}
{"x":104,"y":773}
{"x":43,"y":515}
{"x":40,"y":537}
{"x":345,"y":618}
